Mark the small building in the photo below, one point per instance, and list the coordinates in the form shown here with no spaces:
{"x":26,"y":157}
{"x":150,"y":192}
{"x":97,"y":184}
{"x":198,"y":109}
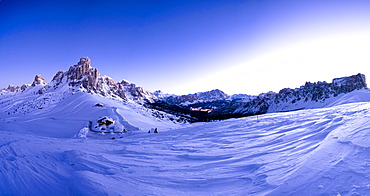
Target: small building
{"x":105,"y":121}
{"x":200,"y":110}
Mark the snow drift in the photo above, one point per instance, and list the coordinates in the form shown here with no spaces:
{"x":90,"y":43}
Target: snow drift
{"x":307,"y":152}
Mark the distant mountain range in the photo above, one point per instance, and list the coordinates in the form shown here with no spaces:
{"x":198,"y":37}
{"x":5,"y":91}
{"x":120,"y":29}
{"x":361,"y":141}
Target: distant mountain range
{"x":202,"y":106}
{"x":223,"y":106}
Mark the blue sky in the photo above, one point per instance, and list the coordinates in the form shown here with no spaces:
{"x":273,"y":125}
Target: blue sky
{"x":185,"y":47}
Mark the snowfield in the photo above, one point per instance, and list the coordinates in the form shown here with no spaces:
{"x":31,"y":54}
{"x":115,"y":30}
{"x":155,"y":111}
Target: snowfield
{"x":49,"y":150}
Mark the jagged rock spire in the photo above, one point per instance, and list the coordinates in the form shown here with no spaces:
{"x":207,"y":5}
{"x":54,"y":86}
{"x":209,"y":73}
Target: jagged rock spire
{"x":81,"y":74}
{"x":84,"y":61}
{"x":85,"y":77}
{"x":83,"y":68}
{"x":39,"y":80}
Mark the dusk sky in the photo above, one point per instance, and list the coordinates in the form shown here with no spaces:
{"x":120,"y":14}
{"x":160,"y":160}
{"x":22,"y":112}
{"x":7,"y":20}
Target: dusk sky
{"x":182,"y":47}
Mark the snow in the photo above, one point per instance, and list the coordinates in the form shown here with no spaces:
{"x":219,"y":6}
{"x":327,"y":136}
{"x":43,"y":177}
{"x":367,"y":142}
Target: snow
{"x":322,"y":151}
{"x":343,"y":98}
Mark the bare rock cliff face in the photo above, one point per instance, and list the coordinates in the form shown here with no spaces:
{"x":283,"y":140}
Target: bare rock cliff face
{"x":83,"y":74}
{"x":87,"y":78}
{"x":83,"y":77}
{"x":12,"y":88}
{"x":39,"y":80}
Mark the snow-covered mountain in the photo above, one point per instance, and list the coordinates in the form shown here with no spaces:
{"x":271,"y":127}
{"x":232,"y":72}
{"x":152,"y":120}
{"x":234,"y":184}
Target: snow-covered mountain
{"x":310,"y":95}
{"x":217,"y":104}
{"x":83,"y":94}
{"x":84,"y":134}
{"x":207,"y":96}
{"x":82,"y":77}
{"x":201,"y":97}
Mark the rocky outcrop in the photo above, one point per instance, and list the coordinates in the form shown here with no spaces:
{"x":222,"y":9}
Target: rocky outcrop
{"x":39,"y":80}
{"x":135,"y":92}
{"x":83,"y":74}
{"x":12,"y":88}
{"x":348,"y":84}
{"x":86,"y":78}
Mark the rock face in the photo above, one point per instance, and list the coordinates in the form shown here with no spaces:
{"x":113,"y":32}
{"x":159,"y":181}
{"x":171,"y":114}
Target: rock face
{"x":81,"y":74}
{"x":86,"y":78}
{"x":348,"y":84}
{"x":39,"y":80}
{"x":83,"y":77}
{"x":12,"y":88}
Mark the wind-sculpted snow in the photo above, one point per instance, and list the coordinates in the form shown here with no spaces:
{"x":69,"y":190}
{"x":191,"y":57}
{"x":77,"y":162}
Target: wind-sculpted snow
{"x":307,"y":152}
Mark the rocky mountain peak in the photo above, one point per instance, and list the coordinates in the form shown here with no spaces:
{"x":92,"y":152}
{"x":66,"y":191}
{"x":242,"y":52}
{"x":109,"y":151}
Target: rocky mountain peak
{"x":350,"y":83}
{"x":84,"y":61}
{"x":12,"y":88}
{"x":39,"y":80}
{"x":81,"y":74}
{"x":86,"y":78}
{"x":213,"y":94}
{"x":124,"y":83}
{"x":84,"y":71}
{"x":207,"y":96}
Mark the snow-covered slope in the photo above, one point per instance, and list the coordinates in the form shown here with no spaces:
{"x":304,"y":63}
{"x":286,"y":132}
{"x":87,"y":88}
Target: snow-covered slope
{"x":78,"y":97}
{"x":308,"y":96}
{"x":308,"y":152}
{"x":63,"y":111}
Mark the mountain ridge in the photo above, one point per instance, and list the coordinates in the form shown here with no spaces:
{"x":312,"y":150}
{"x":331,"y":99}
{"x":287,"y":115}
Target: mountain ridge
{"x":50,"y":141}
{"x":310,"y":95}
{"x":82,"y":77}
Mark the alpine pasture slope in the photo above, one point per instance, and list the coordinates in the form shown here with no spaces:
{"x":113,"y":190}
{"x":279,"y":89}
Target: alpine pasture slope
{"x":46,"y":148}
